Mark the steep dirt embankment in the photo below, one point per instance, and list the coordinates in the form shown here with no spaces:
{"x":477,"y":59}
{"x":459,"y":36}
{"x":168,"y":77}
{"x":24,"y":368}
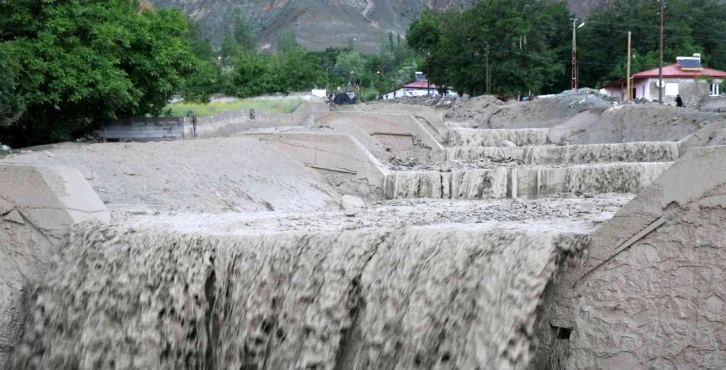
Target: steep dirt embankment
{"x":489,"y":112}
{"x":583,"y":119}
{"x":629,"y":123}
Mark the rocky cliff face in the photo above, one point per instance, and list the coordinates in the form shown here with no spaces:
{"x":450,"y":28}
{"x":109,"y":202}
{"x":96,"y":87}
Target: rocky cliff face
{"x":322,"y":23}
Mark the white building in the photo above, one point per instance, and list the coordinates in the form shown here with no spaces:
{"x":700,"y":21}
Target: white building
{"x":420,"y":87}
{"x":678,"y":79}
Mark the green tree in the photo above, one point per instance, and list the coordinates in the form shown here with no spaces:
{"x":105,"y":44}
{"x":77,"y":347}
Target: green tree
{"x":387,"y":54}
{"x":328,"y":58}
{"x":297,"y":70}
{"x":90,"y":61}
{"x":230,"y":50}
{"x":288,"y":41}
{"x":243,"y":33}
{"x":253,"y":75}
{"x":458,"y":42}
{"x":351,"y":66}
{"x":200,"y":45}
{"x":603,"y":42}
{"x":205,"y":80}
{"x":11,"y":106}
{"x":424,"y":35}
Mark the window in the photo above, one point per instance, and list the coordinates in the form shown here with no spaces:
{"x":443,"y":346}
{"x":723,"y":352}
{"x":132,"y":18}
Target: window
{"x":715,"y":89}
{"x":671,"y":89}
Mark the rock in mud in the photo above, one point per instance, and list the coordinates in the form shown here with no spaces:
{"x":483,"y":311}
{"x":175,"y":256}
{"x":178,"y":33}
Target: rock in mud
{"x":350,"y":205}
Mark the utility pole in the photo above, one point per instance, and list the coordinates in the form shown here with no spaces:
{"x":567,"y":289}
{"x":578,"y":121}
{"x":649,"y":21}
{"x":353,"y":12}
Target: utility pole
{"x":428,"y":73}
{"x":488,"y":76}
{"x":628,"y":81}
{"x":660,"y":65}
{"x":574,"y":56}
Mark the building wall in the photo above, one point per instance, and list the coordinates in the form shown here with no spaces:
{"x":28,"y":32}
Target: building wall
{"x":691,"y":91}
{"x":404,"y":92}
{"x":393,"y":94}
{"x":642,"y":89}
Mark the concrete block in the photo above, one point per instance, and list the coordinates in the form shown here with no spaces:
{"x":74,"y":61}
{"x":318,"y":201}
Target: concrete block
{"x":346,"y":164}
{"x":39,"y":204}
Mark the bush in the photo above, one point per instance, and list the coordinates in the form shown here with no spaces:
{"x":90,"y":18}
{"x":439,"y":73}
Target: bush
{"x":369,"y":94}
{"x":85,"y":62}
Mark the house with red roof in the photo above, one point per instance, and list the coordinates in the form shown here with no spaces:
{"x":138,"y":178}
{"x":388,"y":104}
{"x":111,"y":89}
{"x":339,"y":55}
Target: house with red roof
{"x":678,"y":79}
{"x":420,"y":87}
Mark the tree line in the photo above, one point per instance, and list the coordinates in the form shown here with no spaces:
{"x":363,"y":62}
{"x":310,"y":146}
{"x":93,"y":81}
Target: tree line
{"x":529,"y":42}
{"x":68,"y":66}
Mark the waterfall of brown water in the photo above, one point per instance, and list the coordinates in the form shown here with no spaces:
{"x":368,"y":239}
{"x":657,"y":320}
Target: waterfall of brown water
{"x":471,"y":184}
{"x":426,"y":297}
{"x":534,"y":182}
{"x":477,"y":138}
{"x":573,"y":154}
{"x":615,"y":178}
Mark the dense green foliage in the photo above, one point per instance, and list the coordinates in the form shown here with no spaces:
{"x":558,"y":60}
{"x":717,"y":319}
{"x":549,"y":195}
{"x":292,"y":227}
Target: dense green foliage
{"x":525,"y":40}
{"x":240,"y":38}
{"x":88,"y":61}
{"x":529,"y":42}
{"x":257,"y":74}
{"x":11,"y":105}
{"x":288,"y":41}
{"x":70,"y":65}
{"x":691,"y":26}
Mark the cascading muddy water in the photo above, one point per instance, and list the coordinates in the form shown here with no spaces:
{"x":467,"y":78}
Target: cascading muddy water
{"x":524,"y":182}
{"x":572,"y":154}
{"x":465,"y":137}
{"x":472,"y":184}
{"x":425,"y":297}
{"x":534,"y":182}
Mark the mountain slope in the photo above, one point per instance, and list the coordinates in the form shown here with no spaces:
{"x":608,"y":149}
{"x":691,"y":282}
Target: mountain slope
{"x":321,"y":23}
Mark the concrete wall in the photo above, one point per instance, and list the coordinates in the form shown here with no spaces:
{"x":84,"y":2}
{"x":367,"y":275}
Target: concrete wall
{"x":401,"y":135}
{"x":339,"y":160}
{"x":429,"y":118}
{"x":37,"y":206}
{"x":144,"y":129}
{"x":230,"y":122}
{"x":651,"y":292}
{"x":177,"y":128}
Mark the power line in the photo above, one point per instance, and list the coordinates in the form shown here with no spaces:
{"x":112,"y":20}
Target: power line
{"x":532,"y":56}
{"x":697,"y":21}
{"x":667,"y":37}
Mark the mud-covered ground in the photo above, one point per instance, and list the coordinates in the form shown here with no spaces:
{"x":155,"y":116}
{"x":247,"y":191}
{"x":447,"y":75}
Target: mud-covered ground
{"x":587,"y":209}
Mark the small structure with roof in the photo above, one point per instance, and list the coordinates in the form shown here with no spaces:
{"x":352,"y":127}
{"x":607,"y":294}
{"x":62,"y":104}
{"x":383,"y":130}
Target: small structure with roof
{"x":687,"y":78}
{"x":420,"y":87}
